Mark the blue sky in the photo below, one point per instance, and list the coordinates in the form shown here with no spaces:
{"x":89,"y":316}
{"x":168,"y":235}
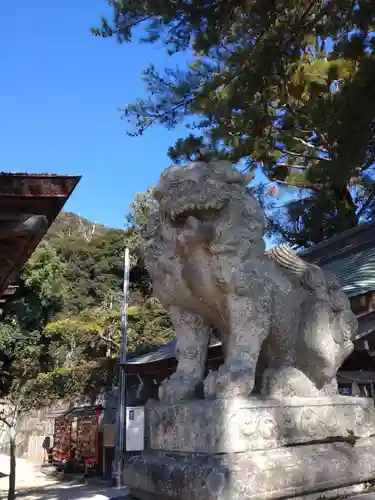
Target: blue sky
{"x":60,"y":90}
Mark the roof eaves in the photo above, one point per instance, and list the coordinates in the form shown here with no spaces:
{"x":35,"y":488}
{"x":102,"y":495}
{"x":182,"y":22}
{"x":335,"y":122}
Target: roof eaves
{"x":340,"y":245}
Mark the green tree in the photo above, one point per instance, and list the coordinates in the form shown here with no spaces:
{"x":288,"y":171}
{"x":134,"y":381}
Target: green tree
{"x":23,"y":345}
{"x":149,"y":326}
{"x":41,"y":290}
{"x":40,"y":296}
{"x":90,"y":322}
{"x":93,"y":256}
{"x":11,"y":410}
{"x":24,"y":395}
{"x":89,"y":335}
{"x":44,"y":359}
{"x":140,"y":209}
{"x":60,"y":336}
{"x":285,"y":86}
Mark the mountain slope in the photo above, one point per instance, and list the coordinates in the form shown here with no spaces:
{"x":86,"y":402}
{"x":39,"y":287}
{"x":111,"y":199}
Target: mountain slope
{"x":93,"y":259}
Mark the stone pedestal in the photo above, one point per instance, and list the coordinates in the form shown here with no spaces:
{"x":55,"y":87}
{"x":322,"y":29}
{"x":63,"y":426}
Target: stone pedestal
{"x":255,"y":449}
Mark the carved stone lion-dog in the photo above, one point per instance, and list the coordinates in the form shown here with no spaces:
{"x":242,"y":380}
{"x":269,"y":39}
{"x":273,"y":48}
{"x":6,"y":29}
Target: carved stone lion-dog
{"x":204,"y":250}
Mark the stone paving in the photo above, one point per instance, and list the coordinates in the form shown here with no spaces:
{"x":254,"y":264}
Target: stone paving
{"x":32,"y":484}
{"x":61,"y":491}
{"x":365,"y":496}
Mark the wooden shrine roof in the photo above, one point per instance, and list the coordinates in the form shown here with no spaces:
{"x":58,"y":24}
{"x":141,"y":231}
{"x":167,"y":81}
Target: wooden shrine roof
{"x":29,"y":203}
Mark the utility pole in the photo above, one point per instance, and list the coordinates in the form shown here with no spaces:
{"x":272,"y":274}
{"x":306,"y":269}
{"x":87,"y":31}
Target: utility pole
{"x":121,"y":412}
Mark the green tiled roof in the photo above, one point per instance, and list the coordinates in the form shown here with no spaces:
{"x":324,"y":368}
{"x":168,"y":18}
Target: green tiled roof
{"x":356,"y":272}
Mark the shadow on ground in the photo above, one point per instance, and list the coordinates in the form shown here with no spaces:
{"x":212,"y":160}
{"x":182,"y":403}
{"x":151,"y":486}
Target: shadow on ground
{"x":69,"y":491}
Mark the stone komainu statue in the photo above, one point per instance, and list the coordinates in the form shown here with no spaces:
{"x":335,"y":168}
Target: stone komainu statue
{"x":204,"y":250}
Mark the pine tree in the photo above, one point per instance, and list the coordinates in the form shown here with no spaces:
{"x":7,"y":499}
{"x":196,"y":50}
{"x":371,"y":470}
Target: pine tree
{"x":286,"y":86}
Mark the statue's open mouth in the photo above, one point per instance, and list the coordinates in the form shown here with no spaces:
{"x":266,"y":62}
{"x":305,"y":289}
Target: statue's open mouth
{"x":201,"y":211}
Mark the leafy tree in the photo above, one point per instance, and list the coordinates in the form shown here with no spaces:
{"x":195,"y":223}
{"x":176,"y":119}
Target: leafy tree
{"x":23,"y":344}
{"x":94,"y":266}
{"x":90,"y":335}
{"x":40,"y":296}
{"x":24,"y":395}
{"x":148,"y":323}
{"x":44,"y":389}
{"x":285,"y":86}
{"x":11,"y":409}
{"x":149,"y":326}
{"x":35,"y":369}
{"x":60,"y":336}
{"x":89,"y":325}
{"x":41,"y":290}
{"x":136,"y":222}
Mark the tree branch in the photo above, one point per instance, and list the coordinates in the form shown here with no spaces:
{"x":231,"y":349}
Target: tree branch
{"x":154,"y":119}
{"x":365,"y":205}
{"x":301,"y":184}
{"x":309,"y":145}
{"x":301,"y":155}
{"x":291,"y":165}
{"x":4,"y":421}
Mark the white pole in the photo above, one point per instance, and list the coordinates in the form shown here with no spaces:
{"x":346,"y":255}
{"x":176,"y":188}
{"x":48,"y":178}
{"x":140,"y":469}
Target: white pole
{"x":121,"y":413}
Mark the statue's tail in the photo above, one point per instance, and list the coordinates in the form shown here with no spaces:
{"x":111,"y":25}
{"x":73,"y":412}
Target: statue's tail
{"x":323,"y":284}
{"x":310,"y":275}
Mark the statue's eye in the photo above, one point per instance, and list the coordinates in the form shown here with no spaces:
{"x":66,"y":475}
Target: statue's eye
{"x":184,"y":185}
{"x":157,"y":194}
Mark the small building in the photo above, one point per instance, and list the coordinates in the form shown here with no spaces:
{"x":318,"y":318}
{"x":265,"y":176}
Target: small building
{"x":351,"y":257}
{"x":76,"y":434}
{"x":84,"y":435}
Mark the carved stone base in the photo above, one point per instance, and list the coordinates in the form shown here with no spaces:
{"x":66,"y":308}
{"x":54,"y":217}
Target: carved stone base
{"x":257,"y":449}
{"x":307,"y":472}
{"x":242,"y":425}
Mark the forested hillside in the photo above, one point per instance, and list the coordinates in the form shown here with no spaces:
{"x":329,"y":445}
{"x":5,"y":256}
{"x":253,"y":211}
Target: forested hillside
{"x":64,"y":325}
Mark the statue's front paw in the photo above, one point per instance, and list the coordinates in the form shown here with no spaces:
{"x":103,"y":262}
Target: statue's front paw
{"x":177,"y":388}
{"x":229,"y":382}
{"x":210,"y":384}
{"x":330,"y":389}
{"x":287,"y":382}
